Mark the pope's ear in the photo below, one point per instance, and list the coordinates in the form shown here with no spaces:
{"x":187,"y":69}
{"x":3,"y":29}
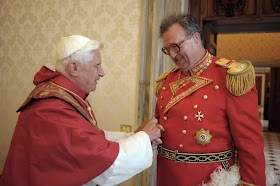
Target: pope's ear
{"x":73,"y":68}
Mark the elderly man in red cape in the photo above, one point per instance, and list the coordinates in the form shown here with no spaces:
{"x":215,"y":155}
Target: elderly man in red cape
{"x":57,"y":141}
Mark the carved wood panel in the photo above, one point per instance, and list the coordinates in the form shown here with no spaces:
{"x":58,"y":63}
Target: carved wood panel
{"x":271,"y":7}
{"x":234,"y":9}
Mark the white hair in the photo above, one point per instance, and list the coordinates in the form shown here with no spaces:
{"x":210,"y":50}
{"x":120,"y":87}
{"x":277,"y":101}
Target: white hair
{"x":81,"y":56}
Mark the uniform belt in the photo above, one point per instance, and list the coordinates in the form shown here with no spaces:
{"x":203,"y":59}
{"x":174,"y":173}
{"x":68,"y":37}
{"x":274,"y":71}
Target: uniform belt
{"x":194,"y":158}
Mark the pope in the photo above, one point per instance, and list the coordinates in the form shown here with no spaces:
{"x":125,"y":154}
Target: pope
{"x":57,"y":140}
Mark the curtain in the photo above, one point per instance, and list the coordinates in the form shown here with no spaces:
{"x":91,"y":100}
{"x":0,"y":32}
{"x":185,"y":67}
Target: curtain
{"x":153,"y":64}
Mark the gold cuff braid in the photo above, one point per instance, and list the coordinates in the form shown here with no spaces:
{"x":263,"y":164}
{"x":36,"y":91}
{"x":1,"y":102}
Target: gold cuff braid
{"x":244,"y":183}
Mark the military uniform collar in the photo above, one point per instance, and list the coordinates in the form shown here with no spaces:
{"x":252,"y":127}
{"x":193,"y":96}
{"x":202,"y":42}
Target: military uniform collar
{"x":202,"y":65}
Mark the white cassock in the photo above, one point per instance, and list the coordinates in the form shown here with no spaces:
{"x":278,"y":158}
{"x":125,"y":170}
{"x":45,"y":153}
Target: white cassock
{"x":135,"y":155}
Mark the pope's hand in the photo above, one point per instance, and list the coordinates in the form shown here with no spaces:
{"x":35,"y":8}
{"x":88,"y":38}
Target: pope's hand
{"x":152,"y":129}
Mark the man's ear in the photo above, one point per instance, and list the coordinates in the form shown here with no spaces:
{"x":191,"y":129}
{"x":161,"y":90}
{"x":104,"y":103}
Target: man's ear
{"x":73,"y":68}
{"x":196,"y":37}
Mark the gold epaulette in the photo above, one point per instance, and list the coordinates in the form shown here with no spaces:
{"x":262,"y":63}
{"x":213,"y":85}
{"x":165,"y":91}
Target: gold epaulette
{"x":160,"y":81}
{"x":240,"y":77}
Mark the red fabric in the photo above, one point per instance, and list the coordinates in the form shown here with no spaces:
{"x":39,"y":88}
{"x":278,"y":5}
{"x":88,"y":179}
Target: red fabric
{"x":44,"y":74}
{"x":53,"y":144}
{"x":231,"y":120}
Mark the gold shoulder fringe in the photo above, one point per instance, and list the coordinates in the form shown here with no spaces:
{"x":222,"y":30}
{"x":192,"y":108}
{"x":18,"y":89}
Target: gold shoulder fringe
{"x":240,"y":77}
{"x":159,"y":83}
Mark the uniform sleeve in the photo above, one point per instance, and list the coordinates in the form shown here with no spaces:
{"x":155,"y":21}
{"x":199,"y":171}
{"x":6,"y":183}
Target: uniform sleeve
{"x":246,"y":130}
{"x":135,"y":155}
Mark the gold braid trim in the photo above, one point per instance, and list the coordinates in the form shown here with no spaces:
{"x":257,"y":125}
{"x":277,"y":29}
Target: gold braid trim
{"x":243,"y":183}
{"x":240,"y":77}
{"x":159,"y":83}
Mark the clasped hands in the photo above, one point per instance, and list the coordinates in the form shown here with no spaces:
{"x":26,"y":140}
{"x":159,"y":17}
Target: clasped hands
{"x":153,"y":130}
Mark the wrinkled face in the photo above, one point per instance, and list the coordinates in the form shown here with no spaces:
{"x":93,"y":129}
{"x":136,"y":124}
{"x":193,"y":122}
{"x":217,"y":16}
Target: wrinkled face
{"x":185,"y":58}
{"x":91,"y":72}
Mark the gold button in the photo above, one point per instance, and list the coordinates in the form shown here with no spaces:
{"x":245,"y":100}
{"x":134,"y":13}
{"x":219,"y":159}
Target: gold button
{"x":195,"y":106}
{"x":161,"y":97}
{"x":161,"y":106}
{"x":205,"y":97}
{"x":184,"y":131}
{"x":185,"y":117}
{"x":165,"y":118}
{"x":181,"y":145}
{"x":216,"y":87}
{"x":163,"y":88}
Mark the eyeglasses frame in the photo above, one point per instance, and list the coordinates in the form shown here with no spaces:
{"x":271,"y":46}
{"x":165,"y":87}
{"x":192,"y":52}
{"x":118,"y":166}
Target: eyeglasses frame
{"x":166,"y":51}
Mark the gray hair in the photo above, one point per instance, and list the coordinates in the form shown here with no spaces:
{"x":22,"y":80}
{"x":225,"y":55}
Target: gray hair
{"x":187,"y":21}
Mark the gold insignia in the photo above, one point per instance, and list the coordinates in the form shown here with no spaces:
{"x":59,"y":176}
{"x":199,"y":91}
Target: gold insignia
{"x":202,"y":137}
{"x":240,"y":77}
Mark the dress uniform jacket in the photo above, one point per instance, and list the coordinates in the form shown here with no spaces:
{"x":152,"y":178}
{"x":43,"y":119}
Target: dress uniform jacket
{"x":202,"y":114}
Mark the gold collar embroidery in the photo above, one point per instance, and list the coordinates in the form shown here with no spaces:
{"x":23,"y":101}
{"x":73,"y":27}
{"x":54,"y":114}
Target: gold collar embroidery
{"x":202,"y":65}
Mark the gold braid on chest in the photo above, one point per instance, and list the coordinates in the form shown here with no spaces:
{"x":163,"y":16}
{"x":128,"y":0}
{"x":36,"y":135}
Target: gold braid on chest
{"x":199,"y":68}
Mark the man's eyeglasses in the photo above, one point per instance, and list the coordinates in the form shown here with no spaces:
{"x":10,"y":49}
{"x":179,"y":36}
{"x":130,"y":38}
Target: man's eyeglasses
{"x":174,"y":47}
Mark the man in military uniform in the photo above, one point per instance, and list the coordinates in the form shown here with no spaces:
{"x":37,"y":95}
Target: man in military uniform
{"x":209,"y":109}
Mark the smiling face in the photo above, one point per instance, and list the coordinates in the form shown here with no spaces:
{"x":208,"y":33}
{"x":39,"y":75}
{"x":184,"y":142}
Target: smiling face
{"x":90,"y":73}
{"x":187,"y":57}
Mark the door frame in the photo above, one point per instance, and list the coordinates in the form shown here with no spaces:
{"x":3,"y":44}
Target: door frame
{"x":212,"y":28}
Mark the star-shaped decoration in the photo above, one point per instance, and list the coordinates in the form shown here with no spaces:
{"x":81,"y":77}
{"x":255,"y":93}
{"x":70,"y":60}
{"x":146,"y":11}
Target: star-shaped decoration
{"x":199,"y":116}
{"x":203,"y":137}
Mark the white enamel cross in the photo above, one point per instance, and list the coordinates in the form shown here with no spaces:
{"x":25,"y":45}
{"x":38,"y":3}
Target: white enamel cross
{"x":199,"y":116}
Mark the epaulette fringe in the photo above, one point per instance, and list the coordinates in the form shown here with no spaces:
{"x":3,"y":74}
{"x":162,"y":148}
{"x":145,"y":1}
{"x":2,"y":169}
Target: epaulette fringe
{"x":240,"y":77}
{"x":239,"y":84}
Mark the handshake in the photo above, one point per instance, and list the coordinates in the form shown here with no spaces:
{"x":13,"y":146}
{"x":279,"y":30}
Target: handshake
{"x":153,"y":129}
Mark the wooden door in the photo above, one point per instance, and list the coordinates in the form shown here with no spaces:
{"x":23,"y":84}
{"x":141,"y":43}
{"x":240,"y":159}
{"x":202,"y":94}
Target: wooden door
{"x":210,"y":38}
{"x":274,"y":103}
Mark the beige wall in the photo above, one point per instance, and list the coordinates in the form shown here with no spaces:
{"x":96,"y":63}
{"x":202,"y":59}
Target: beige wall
{"x":252,"y":46}
{"x":29,"y":31}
